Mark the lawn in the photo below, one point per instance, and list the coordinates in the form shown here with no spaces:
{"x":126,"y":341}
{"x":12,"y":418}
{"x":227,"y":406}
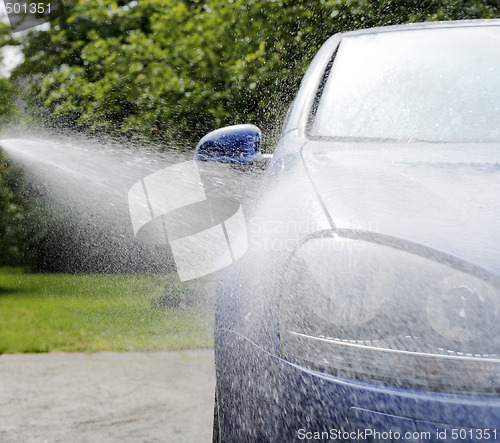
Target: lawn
{"x":54,"y":312}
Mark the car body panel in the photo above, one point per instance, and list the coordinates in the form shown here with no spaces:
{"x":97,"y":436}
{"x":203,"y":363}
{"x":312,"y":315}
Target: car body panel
{"x":272,"y":399}
{"x":433,"y":195}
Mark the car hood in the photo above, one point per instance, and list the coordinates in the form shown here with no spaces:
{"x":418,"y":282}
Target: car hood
{"x":444,"y":196}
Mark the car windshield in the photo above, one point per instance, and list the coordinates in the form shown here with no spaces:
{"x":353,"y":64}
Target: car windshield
{"x":438,"y":85}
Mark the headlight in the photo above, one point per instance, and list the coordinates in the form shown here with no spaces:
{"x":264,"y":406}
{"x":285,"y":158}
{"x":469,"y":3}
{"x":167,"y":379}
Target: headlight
{"x":371,"y":312}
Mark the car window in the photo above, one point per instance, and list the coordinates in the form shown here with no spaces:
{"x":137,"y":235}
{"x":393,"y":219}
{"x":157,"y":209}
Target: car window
{"x":428,"y":84}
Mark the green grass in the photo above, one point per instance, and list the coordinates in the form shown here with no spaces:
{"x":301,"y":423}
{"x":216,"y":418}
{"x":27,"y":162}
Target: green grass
{"x":54,"y":312}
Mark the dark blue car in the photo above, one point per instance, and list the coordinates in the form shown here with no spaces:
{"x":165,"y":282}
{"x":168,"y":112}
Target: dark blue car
{"x":367,"y":305}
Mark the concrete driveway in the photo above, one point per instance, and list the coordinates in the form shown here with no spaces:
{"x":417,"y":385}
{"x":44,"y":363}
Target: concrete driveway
{"x":107,"y":397}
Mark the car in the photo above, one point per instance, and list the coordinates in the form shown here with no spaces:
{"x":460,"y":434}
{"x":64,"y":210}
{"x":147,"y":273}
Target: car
{"x":366,"y":307}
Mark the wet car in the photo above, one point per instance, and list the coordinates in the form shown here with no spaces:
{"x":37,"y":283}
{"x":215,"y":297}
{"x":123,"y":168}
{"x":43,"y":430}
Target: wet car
{"x":366,"y":307}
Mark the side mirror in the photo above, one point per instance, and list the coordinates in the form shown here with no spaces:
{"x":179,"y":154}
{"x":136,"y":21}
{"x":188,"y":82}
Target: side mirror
{"x":234,"y":144}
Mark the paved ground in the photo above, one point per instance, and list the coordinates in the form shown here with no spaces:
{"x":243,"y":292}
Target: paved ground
{"x":107,"y":397}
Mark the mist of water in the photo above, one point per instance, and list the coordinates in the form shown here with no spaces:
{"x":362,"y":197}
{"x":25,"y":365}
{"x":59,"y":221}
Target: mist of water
{"x":89,"y":183}
{"x":81,"y":191}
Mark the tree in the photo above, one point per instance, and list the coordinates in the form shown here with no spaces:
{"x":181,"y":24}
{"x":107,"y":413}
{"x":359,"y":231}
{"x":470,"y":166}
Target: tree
{"x":7,"y":103}
{"x":177,"y":69}
{"x":10,"y":218}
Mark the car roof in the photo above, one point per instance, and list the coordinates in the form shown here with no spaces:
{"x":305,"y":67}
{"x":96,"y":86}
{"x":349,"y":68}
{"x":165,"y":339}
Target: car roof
{"x":424,"y":25}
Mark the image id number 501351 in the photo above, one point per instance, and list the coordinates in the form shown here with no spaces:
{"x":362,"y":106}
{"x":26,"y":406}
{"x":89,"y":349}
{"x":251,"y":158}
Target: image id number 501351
{"x":27,"y":8}
{"x":473,"y":434}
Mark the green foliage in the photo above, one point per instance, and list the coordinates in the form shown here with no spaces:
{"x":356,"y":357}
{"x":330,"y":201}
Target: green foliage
{"x":43,"y":312}
{"x":8,"y":109}
{"x":11,"y":216}
{"x":6,"y":37}
{"x":175,"y":69}
{"x":7,"y":104}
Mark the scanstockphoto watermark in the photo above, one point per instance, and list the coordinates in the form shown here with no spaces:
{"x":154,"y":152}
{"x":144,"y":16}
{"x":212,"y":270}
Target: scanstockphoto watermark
{"x":206,"y":234}
{"x":362,"y":435}
{"x":439,"y":434}
{"x":26,"y":14}
{"x":171,"y":207}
